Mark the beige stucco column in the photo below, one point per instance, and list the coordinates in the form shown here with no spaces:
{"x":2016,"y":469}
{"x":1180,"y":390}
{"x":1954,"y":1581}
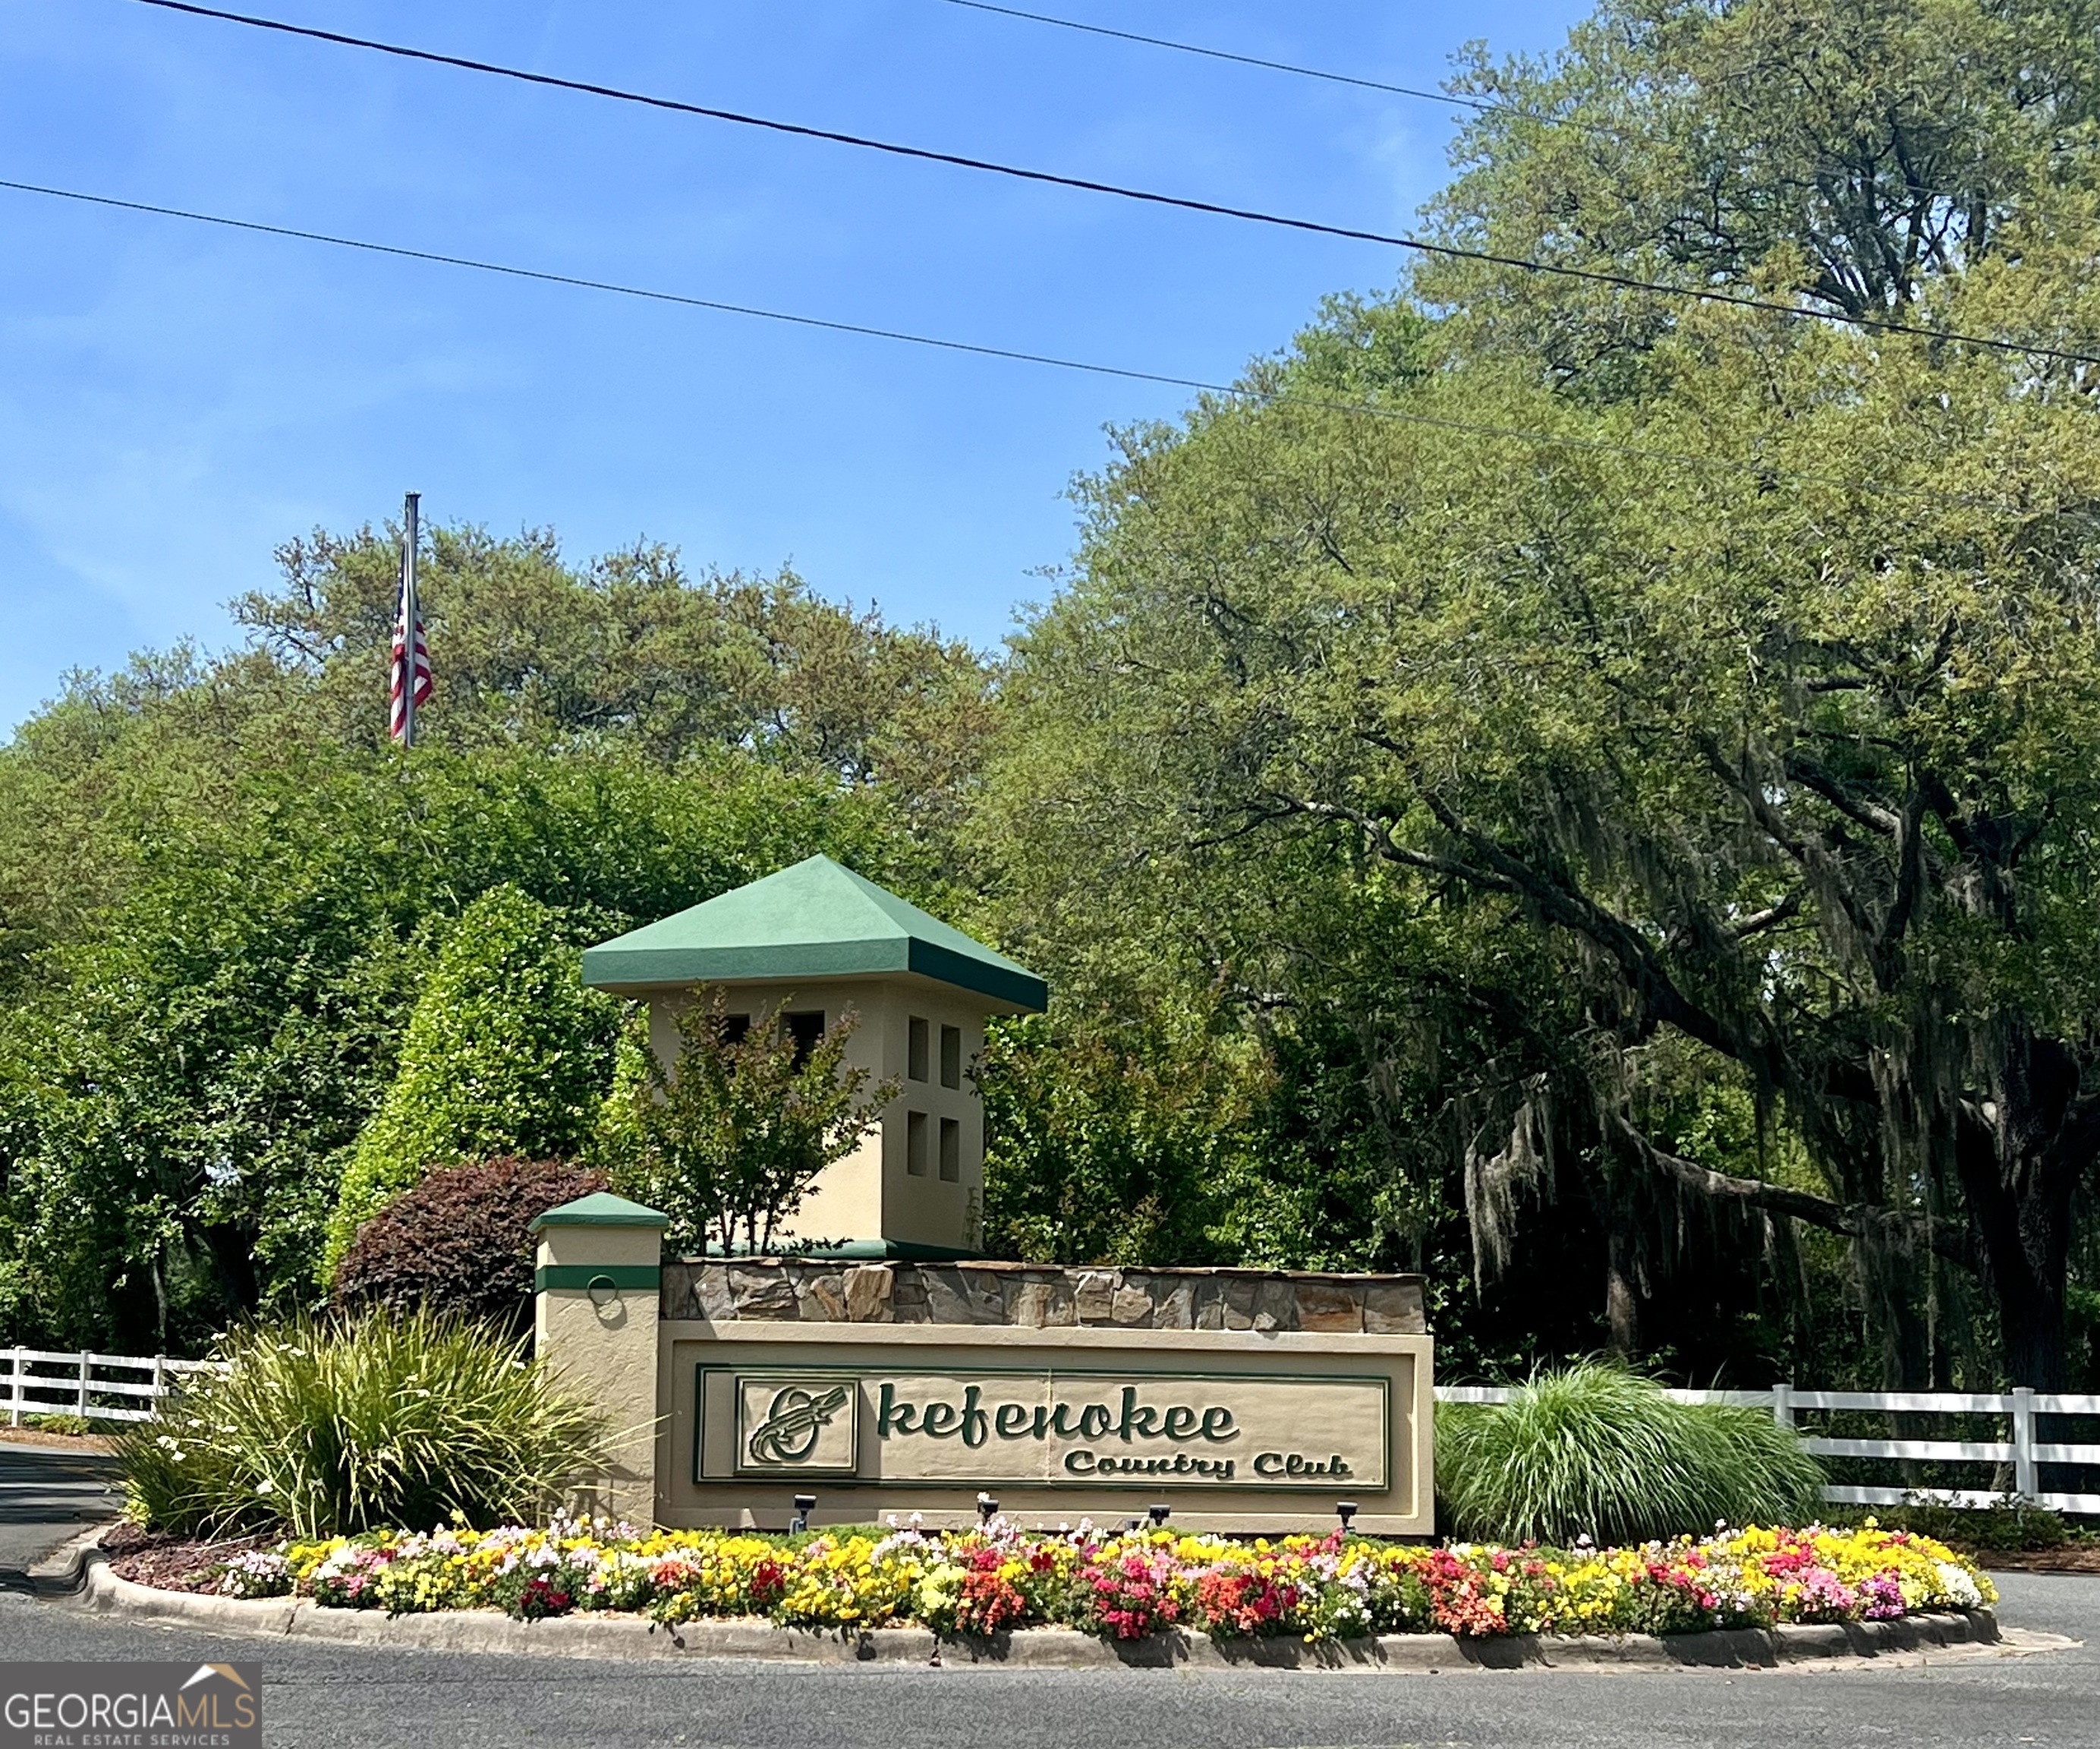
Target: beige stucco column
{"x":597,"y":1271}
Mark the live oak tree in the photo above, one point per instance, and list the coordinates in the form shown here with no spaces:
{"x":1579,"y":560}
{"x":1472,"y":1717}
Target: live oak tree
{"x":631,"y":650}
{"x":1760,"y":689}
{"x":1846,"y":153}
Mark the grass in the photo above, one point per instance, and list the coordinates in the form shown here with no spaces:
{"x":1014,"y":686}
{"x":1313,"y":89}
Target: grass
{"x":64,"y":1422}
{"x":334,"y":1425}
{"x":1597,"y":1451}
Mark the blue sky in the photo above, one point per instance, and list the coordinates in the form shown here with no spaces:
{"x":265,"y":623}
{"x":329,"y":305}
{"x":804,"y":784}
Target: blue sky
{"x":176,"y":401}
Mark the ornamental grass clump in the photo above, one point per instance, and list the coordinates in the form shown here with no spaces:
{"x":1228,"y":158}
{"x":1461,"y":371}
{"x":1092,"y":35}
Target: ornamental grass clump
{"x":1595,"y":1451}
{"x":335,"y":1427}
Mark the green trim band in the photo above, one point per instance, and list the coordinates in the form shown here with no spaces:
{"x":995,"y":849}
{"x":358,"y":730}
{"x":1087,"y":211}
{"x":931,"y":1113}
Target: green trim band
{"x":649,"y":1276}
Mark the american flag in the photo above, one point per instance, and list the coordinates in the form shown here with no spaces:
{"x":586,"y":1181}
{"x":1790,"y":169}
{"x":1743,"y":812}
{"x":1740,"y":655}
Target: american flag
{"x":408,"y":697}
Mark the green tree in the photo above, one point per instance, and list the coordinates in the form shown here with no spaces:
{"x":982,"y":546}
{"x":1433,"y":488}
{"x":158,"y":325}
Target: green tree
{"x":506,"y":1054}
{"x":1140,"y":1145}
{"x":631,"y":649}
{"x":1743,"y":716}
{"x":728,"y":1138}
{"x":1849,"y":153}
{"x":221,"y":892}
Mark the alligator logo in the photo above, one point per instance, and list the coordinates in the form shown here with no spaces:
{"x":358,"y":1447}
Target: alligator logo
{"x":793,"y":1423}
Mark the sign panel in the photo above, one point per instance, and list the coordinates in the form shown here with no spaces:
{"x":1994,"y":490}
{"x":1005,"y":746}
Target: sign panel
{"x":1061,"y":1426}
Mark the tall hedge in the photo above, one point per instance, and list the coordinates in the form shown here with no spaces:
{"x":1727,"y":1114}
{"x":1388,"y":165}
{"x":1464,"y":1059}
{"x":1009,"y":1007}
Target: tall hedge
{"x":507,"y":1053}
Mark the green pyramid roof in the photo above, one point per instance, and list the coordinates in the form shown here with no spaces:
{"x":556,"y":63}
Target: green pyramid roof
{"x":601,"y":1208}
{"x":815,"y":919}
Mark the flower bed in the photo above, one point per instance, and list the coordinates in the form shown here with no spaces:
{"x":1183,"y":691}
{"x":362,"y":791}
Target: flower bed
{"x":1124,"y":1585}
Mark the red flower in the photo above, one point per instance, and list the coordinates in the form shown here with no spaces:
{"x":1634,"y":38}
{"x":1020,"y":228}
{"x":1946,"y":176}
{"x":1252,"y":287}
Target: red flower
{"x":768,"y":1583}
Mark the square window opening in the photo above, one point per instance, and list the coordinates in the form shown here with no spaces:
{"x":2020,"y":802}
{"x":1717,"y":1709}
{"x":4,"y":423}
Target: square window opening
{"x":806,"y":1029}
{"x":915,"y":1143}
{"x":915,"y":1054}
{"x":951,"y":1150}
{"x":952,"y":1056}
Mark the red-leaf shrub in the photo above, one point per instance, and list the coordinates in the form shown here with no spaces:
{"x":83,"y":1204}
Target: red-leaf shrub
{"x":460,"y":1241}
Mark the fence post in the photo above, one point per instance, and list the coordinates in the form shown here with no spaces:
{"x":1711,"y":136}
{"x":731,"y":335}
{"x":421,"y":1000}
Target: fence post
{"x":14,"y":1391}
{"x":1782,"y":1405}
{"x":2025,"y":1480}
{"x":82,"y":1411}
{"x":159,"y":1386}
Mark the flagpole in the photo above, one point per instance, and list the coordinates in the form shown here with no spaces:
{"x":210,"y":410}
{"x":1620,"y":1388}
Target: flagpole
{"x":412,"y":616}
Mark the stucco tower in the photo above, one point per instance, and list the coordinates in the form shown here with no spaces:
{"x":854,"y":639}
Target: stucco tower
{"x":809,"y":943}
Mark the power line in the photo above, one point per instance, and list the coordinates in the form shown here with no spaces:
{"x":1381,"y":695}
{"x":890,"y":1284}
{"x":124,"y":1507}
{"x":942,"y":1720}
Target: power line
{"x":1243,"y":60}
{"x":1481,"y":105}
{"x":1446,"y":251}
{"x":1363,"y":408}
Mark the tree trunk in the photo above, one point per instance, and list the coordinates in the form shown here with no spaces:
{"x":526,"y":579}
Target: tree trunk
{"x":1621,"y":1309}
{"x":2022,"y":1207}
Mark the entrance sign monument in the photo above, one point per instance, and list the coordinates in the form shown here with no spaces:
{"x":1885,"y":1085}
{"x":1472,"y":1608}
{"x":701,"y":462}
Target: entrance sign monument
{"x":880,"y":1366}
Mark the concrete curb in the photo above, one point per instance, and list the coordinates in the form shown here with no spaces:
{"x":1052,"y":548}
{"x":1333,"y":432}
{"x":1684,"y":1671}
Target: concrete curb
{"x":63,"y":1572}
{"x":628,"y":1637}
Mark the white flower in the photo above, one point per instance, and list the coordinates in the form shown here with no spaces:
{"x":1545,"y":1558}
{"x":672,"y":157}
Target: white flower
{"x":1960,"y":1589}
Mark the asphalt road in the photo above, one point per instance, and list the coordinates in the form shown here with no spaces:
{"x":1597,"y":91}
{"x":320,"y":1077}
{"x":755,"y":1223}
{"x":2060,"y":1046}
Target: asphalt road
{"x":47,"y":1495}
{"x":348,"y":1697}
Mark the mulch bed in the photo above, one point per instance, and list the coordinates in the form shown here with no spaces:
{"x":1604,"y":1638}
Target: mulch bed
{"x":172,"y":1563}
{"x":2073,"y":1557}
{"x":41,"y":1436}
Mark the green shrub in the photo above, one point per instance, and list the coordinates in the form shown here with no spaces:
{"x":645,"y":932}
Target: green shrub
{"x":728,"y":1140}
{"x":507,"y":1053}
{"x":334,"y":1425}
{"x":1599,"y":1452}
{"x":61,"y":1423}
{"x":2008,"y":1526}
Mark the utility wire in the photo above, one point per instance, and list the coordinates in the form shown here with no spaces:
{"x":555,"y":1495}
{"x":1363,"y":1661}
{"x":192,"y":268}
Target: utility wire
{"x":1446,"y":251}
{"x":1363,"y":408}
{"x":1244,"y":60}
{"x":1481,"y":105}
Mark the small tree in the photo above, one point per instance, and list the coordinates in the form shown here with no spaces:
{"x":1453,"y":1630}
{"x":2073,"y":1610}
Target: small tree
{"x":728,"y":1139}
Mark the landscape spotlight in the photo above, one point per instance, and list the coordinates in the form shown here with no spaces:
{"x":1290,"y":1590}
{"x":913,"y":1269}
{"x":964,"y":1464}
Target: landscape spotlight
{"x":1158,"y":1515}
{"x":805,"y":1504}
{"x":1345,"y":1510}
{"x":986,"y":1506}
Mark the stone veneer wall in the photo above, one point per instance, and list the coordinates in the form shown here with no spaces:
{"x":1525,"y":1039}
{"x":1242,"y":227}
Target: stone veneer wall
{"x":1035,"y":1296}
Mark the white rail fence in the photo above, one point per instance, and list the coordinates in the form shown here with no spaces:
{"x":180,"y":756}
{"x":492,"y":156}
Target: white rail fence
{"x":35,"y":1381}
{"x":2015,"y":1461}
{"x":128,"y":1387}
